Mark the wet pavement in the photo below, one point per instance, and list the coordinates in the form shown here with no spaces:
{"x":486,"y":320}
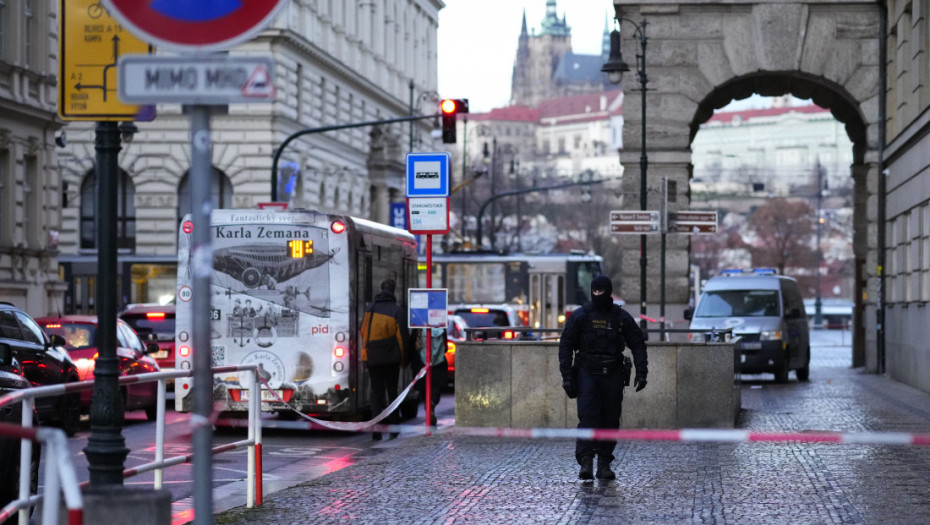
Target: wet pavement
{"x":451,"y":477}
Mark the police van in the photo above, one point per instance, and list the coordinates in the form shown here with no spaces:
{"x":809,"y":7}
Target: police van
{"x":766,"y":312}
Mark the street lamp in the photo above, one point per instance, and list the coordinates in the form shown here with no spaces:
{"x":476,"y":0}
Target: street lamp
{"x":615,"y":67}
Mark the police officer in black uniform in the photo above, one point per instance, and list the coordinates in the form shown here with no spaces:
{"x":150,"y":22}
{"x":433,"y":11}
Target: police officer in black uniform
{"x":595,"y":371}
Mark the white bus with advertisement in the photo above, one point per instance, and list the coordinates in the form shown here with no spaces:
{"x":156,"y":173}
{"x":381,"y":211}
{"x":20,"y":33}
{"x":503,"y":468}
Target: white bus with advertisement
{"x":288,"y":291}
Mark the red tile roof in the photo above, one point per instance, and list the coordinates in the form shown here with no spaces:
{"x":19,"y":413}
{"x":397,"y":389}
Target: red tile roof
{"x":746,"y":114}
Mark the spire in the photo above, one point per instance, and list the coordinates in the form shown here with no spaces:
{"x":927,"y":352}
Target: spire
{"x":605,"y":43}
{"x":523,"y":29}
{"x":551,"y":24}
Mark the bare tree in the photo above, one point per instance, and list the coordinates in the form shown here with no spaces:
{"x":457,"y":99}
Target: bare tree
{"x":783,"y":230}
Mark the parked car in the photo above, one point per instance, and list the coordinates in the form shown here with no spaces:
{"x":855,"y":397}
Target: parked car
{"x":497,"y":318}
{"x":766,"y":312}
{"x":11,"y":379}
{"x":155,"y":323}
{"x":43,"y":361}
{"x":81,"y":340}
{"x":455,"y":334}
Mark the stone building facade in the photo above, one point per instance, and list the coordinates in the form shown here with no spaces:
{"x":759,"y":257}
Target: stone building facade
{"x":335,"y":63}
{"x":30,"y":189}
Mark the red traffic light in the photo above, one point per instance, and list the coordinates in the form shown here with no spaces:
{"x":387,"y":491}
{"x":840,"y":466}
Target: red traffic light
{"x":452,"y":106}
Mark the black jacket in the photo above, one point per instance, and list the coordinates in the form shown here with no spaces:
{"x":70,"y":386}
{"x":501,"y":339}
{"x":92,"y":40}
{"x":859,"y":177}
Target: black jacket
{"x":572,"y":340}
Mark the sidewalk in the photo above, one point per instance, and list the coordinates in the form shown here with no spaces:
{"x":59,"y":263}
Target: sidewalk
{"x":454,"y":478}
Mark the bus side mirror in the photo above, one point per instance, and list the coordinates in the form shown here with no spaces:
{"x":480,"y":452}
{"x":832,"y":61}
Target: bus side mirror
{"x":688,"y":313}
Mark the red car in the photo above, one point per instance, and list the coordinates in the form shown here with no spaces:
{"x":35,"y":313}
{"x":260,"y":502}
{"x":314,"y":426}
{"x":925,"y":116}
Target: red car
{"x":154,"y":322}
{"x":80,"y":335}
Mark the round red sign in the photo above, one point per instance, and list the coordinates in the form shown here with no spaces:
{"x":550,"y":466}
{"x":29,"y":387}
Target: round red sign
{"x":201,"y":25}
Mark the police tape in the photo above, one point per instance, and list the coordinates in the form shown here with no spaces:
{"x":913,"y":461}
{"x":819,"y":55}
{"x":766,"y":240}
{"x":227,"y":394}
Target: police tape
{"x":353,"y":426}
{"x":682,"y":436}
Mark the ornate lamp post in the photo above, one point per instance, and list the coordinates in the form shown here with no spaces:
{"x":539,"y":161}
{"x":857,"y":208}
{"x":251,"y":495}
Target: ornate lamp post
{"x":615,"y":67}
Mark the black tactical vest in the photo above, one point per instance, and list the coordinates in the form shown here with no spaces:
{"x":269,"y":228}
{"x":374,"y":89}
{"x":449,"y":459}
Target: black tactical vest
{"x":602,"y":340}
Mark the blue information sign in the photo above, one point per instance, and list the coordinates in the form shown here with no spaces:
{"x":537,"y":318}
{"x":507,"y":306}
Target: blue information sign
{"x":399,"y":215}
{"x":427,"y":307}
{"x":428,"y":174}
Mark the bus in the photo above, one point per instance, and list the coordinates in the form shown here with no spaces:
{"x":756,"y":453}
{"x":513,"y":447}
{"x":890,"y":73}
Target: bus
{"x":544,"y":289}
{"x":288,"y":292}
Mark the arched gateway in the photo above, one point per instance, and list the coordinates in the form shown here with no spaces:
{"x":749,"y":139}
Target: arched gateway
{"x":701,"y":55}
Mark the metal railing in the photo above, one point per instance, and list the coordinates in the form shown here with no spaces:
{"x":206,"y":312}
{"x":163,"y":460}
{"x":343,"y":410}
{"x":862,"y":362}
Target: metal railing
{"x":27,"y":434}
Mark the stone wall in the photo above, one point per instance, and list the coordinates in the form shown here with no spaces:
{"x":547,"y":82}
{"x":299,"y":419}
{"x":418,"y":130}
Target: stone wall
{"x":518,"y":385}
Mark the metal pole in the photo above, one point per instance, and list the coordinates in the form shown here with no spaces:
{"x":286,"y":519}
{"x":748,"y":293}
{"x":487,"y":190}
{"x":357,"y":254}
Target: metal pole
{"x":643,"y":165}
{"x":428,"y":333}
{"x":664,"y":219}
{"x":202,"y":261}
{"x":493,"y":191}
{"x":410,"y":85}
{"x":277,"y":153}
{"x":106,"y":448}
{"x":464,"y":172}
{"x":818,"y":303}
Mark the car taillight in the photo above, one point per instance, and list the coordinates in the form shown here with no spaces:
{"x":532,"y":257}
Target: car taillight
{"x":508,"y":334}
{"x":450,"y":347}
{"x":53,"y":326}
{"x":480,"y":310}
{"x":184,"y":351}
{"x":155,"y":315}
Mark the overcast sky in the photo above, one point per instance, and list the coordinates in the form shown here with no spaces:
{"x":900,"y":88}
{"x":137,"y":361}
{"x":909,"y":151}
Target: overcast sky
{"x":478,"y":43}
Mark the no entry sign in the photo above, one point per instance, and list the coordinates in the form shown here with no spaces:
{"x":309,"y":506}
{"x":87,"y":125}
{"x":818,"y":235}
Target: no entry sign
{"x":201,"y":25}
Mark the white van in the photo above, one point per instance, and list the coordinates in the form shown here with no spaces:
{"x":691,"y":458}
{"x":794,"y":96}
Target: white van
{"x":766,"y":311}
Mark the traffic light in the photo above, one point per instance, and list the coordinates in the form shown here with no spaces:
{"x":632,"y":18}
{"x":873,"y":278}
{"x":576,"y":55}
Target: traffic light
{"x":451,"y":107}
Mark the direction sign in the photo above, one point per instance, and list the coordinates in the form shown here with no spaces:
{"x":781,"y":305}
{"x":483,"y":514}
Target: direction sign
{"x":186,"y":25}
{"x":90,"y":43}
{"x":692,"y":228}
{"x":693,"y":216}
{"x":692,"y":222}
{"x":638,"y":222}
{"x":205,"y":80}
{"x":428,"y":174}
{"x":634,"y":216}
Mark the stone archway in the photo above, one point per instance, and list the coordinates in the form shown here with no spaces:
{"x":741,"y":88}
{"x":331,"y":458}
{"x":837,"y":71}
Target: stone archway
{"x":702,"y":55}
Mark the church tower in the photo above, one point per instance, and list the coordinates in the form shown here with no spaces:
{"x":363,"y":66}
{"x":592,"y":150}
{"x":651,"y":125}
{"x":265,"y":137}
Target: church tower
{"x":538,"y":56}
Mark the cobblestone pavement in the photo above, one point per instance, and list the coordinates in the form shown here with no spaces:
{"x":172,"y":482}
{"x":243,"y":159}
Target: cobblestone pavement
{"x":453,"y":478}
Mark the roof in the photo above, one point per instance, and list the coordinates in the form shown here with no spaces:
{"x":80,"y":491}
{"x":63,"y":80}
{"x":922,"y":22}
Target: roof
{"x":574,"y":69}
{"x":509,"y":114}
{"x":729,"y":116}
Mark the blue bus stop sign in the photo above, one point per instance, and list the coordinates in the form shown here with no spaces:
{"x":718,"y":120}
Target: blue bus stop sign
{"x":428,"y":174}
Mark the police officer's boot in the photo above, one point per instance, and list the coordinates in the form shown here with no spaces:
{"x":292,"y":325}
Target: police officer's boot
{"x":603,"y":469}
{"x":587,"y":468}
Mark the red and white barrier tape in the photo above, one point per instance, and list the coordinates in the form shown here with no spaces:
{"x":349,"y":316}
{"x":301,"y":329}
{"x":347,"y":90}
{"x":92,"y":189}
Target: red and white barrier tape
{"x":352,"y":426}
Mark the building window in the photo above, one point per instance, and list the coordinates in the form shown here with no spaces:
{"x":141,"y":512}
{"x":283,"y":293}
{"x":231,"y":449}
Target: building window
{"x":32,"y":193}
{"x":7,"y":187}
{"x":29,"y":35}
{"x":2,"y":29}
{"x":561,"y":145}
{"x":125,"y":212}
{"x":220,"y":193}
{"x":925,"y":252}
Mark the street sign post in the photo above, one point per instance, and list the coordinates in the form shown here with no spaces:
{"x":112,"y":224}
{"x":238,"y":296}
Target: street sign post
{"x":185,"y":25}
{"x":692,"y":222}
{"x":634,"y":222}
{"x":90,"y":44}
{"x":210,"y":80}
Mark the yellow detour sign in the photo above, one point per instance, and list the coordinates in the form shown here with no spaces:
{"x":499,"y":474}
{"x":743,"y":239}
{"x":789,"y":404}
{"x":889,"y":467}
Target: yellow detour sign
{"x":90,"y":43}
